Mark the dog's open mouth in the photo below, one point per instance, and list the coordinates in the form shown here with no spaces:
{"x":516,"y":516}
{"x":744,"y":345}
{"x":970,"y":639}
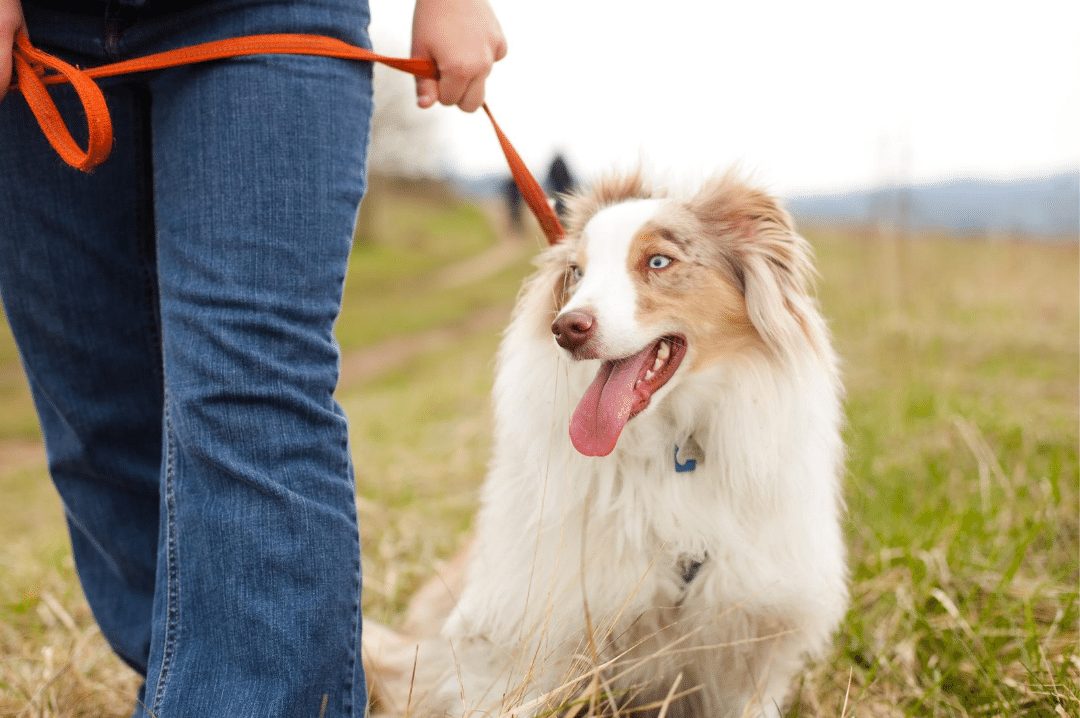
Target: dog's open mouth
{"x":622,"y":390}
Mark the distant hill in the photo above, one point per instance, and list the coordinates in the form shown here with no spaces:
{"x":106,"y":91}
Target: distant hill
{"x":480,"y":186}
{"x":1047,"y":207}
{"x":1043,"y":207}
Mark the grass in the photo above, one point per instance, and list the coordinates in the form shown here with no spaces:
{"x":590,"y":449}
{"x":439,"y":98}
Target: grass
{"x":388,"y":288}
{"x":962,"y":477}
{"x":961,"y":364}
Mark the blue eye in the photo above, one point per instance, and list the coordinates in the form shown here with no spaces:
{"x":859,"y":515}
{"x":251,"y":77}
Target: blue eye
{"x":576,"y":273}
{"x":659,"y":261}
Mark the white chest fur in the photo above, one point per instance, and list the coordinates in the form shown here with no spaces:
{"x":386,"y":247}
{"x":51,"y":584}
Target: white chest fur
{"x":562,"y":536}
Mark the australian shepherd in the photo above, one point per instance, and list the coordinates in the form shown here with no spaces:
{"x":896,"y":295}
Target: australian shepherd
{"x":659,"y":531}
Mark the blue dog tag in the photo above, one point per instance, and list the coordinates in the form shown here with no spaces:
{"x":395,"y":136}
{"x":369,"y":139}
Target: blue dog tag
{"x":685,"y":467}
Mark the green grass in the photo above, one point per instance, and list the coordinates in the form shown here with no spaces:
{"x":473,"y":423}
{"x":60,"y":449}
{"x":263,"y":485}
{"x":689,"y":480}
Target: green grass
{"x":412,"y":307}
{"x":961,"y":364}
{"x":385,"y":283}
{"x":427,"y":234}
{"x":420,"y":456}
{"x":962,"y":474}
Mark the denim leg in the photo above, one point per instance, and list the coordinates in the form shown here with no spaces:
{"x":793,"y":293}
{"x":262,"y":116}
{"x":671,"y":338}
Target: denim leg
{"x":78,"y":284}
{"x":214,"y":412}
{"x":259,"y":168}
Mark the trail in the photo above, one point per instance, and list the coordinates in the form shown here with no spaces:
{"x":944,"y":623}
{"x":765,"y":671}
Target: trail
{"x":361,"y":365}
{"x":485,"y":264}
{"x":512,"y":246}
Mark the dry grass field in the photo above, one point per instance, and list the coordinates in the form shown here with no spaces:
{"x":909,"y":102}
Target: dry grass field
{"x":961,"y":362}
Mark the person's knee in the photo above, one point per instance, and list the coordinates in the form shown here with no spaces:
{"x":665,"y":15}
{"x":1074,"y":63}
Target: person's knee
{"x":260,"y":412}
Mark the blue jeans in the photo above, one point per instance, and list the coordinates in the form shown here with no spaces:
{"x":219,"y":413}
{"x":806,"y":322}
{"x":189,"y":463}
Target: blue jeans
{"x":174,"y":314}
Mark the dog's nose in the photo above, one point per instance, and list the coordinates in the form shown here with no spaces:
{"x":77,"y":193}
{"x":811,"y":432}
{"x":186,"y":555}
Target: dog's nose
{"x":573,"y":329}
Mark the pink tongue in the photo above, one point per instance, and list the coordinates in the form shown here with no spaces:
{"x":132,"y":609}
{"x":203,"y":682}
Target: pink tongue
{"x":607,"y":404}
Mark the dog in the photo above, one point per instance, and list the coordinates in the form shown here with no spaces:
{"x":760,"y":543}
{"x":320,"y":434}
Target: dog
{"x":659,"y":531}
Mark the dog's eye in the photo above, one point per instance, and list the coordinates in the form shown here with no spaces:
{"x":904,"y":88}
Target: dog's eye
{"x":659,"y":261}
{"x":575,"y":272}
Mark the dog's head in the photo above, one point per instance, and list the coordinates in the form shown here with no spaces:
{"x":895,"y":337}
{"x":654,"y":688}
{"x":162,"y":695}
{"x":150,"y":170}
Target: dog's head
{"x":658,"y":288}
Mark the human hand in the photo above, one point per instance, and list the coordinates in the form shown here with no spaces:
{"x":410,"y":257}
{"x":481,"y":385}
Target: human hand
{"x":11,"y":21}
{"x":464,"y":39}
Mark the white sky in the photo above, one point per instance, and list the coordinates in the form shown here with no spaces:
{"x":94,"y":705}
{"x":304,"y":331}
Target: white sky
{"x":805,"y":96}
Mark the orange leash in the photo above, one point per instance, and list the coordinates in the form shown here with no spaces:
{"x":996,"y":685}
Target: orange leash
{"x":32,"y":76}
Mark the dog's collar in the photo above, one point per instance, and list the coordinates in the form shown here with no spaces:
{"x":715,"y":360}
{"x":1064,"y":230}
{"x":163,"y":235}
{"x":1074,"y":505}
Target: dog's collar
{"x":688,"y":456}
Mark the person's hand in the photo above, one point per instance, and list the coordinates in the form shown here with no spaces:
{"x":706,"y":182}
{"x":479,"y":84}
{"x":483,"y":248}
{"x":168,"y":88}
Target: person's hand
{"x":465,"y":40}
{"x":11,"y":21}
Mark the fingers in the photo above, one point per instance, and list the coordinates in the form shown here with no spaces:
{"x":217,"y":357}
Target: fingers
{"x":452,"y":85}
{"x":464,"y":39}
{"x":5,"y":63}
{"x":463,"y":84}
{"x":474,"y":96}
{"x":10,"y":22}
{"x":427,"y":92}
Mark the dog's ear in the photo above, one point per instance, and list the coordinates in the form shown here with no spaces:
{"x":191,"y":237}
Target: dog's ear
{"x":772,"y":262}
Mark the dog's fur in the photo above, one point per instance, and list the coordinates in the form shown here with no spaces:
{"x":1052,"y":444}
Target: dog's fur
{"x":704,"y":591}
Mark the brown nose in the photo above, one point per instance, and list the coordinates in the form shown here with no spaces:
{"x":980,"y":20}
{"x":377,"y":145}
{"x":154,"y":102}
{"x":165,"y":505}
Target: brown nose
{"x":573,"y":329}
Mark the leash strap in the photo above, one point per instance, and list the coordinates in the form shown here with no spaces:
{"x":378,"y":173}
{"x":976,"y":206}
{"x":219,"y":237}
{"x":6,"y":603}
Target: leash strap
{"x":35,"y":70}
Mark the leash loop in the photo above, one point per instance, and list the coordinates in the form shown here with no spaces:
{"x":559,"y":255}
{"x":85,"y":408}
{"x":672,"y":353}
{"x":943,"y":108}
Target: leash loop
{"x":31,"y":83}
{"x":32,"y":77}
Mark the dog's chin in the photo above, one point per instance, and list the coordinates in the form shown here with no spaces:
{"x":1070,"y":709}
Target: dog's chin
{"x":623,"y":388}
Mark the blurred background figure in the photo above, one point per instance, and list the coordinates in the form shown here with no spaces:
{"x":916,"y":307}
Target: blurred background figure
{"x":560,"y":182}
{"x":514,"y":204}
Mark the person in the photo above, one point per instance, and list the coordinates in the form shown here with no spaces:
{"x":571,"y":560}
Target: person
{"x":174,"y":310}
{"x":559,"y":183}
{"x":515,"y":220}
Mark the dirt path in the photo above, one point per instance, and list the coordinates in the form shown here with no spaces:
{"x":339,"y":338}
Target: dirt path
{"x":361,"y":365}
{"x":485,"y":264}
{"x":512,"y":246}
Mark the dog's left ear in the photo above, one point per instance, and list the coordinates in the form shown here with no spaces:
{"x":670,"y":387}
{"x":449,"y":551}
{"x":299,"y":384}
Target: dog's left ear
{"x":771,"y":260}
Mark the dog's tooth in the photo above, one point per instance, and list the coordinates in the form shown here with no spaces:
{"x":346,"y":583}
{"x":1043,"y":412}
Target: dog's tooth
{"x":663,"y":352}
{"x":657,"y":364}
{"x":649,"y":375}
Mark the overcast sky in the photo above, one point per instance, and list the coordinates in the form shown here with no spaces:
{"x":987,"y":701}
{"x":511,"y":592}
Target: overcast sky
{"x":804,"y":96}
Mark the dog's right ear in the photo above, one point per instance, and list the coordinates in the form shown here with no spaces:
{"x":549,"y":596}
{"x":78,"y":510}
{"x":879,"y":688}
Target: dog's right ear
{"x":772,"y":262}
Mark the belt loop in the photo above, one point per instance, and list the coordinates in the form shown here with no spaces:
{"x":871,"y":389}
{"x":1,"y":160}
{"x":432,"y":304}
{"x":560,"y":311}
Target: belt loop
{"x":118,"y":18}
